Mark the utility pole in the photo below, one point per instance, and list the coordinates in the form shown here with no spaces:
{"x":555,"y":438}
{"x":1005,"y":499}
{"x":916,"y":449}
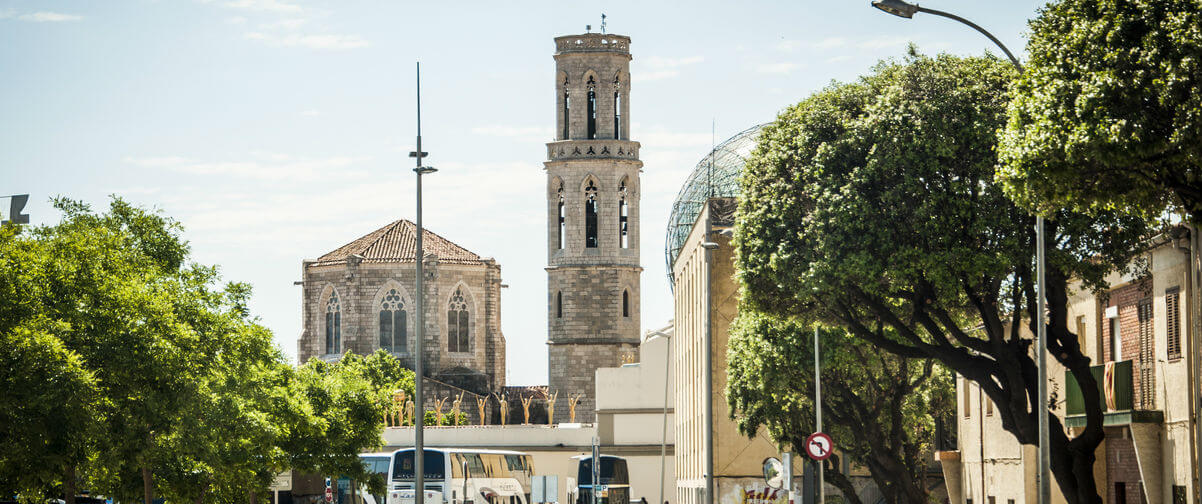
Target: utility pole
{"x":818,"y":415}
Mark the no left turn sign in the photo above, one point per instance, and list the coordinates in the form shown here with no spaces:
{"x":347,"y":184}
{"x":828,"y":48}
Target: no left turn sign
{"x":819,"y":446}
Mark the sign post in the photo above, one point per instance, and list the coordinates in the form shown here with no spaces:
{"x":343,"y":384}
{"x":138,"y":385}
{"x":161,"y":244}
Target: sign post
{"x":329,"y":491}
{"x":818,"y":421}
{"x":596,"y":472}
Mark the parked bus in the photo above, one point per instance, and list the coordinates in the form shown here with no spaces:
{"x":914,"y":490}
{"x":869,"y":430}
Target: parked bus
{"x":613,"y":485}
{"x":460,"y":476}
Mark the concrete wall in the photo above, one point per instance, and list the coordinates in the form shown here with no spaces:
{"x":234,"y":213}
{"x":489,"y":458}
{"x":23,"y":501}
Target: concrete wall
{"x":736,"y":458}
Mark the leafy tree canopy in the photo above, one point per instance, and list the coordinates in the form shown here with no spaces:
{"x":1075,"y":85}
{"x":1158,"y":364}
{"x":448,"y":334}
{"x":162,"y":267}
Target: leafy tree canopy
{"x":877,"y":406}
{"x":871,"y":206}
{"x":1108,"y":114}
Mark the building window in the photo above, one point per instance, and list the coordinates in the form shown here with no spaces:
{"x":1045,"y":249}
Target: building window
{"x":1172,"y":319}
{"x":1120,"y":492}
{"x":625,"y":303}
{"x":458,"y":323}
{"x":394,"y":322}
{"x":1116,"y":339}
{"x":333,"y":325}
{"x":1081,"y":334}
{"x":1147,"y":359}
{"x":566,"y":110}
{"x":988,"y":404}
{"x":592,"y":109}
{"x":558,"y":305}
{"x":590,"y":215}
{"x":967,"y":399}
{"x":623,"y":217}
{"x":617,"y":112}
{"x":560,"y":229}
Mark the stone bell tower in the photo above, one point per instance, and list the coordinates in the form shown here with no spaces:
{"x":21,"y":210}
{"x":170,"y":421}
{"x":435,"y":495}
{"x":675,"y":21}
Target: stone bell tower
{"x":592,"y":218}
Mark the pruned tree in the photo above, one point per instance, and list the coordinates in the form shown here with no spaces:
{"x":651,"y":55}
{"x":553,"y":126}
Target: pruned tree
{"x":871,"y":206}
{"x":1108,"y":113}
{"x":878,"y":406}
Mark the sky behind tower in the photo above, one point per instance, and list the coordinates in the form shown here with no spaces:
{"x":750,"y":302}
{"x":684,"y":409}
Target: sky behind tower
{"x":277,"y":130}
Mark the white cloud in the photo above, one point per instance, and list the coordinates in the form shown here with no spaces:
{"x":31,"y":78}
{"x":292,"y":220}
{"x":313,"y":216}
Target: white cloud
{"x":278,"y":6}
{"x":311,"y":113}
{"x":788,"y":45}
{"x":830,"y":43}
{"x":783,"y":68}
{"x":883,"y":42}
{"x":262,"y":166}
{"x":655,"y":75}
{"x":284,"y":24}
{"x":326,"y":41}
{"x":659,"y":68}
{"x":48,"y":17}
{"x":536,"y":133}
{"x":236,"y":20}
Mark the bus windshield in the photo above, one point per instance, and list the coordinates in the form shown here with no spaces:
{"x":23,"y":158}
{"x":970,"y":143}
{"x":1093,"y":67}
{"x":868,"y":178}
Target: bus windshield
{"x":434,"y":466}
{"x":613,"y":471}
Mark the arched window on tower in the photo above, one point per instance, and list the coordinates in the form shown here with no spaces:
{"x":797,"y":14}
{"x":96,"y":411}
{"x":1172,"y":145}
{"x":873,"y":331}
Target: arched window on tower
{"x":458,"y":324}
{"x":623,"y":217}
{"x":559,"y":305}
{"x":333,"y":325}
{"x":559,"y":230}
{"x":567,"y":107}
{"x":394,"y":322}
{"x":617,"y":107}
{"x":592,"y":109}
{"x":590,"y":215}
{"x":625,"y":303}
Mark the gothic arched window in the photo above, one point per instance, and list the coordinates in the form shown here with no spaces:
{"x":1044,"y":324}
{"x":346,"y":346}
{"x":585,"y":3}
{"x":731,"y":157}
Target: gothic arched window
{"x":333,"y":325}
{"x":625,"y":303}
{"x":394,"y":322}
{"x":590,"y":215}
{"x":623,"y":217}
{"x":559,"y":305}
{"x":560,"y":229}
{"x":567,"y":106}
{"x":592,"y":109}
{"x":458,"y":323}
{"x":617,"y":106}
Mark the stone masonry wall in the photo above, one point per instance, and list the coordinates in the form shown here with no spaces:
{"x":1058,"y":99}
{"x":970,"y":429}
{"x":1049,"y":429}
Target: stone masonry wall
{"x":360,"y":288}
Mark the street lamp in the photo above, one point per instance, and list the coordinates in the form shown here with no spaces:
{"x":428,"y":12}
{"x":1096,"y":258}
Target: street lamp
{"x":419,"y":417}
{"x":907,"y":10}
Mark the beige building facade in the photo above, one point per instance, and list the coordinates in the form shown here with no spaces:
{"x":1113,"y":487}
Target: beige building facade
{"x":1140,"y":335}
{"x":593,"y":270}
{"x":360,"y":298}
{"x":706,"y":295}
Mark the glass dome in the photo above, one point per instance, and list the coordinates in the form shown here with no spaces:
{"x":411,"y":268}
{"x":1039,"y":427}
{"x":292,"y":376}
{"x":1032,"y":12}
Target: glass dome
{"x":716,"y":176}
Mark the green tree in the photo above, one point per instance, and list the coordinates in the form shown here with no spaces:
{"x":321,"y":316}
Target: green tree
{"x":45,"y":425}
{"x":877,"y":406}
{"x":872,"y":204}
{"x":1108,"y":113}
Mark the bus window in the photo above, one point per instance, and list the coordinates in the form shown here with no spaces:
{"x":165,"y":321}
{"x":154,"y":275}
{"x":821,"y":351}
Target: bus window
{"x":475,"y":466}
{"x":434,"y":465}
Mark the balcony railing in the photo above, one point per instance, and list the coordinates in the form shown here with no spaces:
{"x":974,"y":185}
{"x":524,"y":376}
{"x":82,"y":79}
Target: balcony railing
{"x":1116,"y":390}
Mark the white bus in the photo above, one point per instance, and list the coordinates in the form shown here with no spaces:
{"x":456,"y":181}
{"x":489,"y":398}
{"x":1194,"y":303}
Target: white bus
{"x":455,"y":476}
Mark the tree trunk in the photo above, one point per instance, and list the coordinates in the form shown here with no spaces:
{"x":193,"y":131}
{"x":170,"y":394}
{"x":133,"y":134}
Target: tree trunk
{"x":69,"y":484}
{"x":147,"y":486}
{"x":840,"y":480}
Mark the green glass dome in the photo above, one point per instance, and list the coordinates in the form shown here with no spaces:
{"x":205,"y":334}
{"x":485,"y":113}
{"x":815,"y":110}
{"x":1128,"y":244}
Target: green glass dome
{"x":716,"y":176}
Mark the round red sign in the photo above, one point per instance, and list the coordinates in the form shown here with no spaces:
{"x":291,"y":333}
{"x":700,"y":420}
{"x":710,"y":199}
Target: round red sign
{"x":819,"y":446}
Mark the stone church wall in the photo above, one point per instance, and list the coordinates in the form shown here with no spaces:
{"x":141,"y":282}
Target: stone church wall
{"x":360,"y":287}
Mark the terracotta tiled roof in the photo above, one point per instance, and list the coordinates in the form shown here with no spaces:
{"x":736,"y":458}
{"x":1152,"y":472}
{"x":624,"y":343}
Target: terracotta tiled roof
{"x":397,"y":242}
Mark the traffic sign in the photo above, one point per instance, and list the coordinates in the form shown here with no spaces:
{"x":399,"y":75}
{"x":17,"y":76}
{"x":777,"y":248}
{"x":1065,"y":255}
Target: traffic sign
{"x":329,"y":491}
{"x":819,"y":446}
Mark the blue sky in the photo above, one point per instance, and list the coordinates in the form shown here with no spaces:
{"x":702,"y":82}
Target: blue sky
{"x":277,"y":130}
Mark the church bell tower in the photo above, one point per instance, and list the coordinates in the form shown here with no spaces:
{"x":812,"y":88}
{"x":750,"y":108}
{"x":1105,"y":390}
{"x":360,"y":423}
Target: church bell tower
{"x":592,"y":218}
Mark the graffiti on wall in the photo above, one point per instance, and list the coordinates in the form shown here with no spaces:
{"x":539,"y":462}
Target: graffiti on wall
{"x":764,"y":495}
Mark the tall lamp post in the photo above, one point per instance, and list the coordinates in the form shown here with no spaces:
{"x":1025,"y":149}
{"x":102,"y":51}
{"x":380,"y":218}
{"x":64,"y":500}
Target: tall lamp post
{"x":907,"y":10}
{"x":419,"y":420}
